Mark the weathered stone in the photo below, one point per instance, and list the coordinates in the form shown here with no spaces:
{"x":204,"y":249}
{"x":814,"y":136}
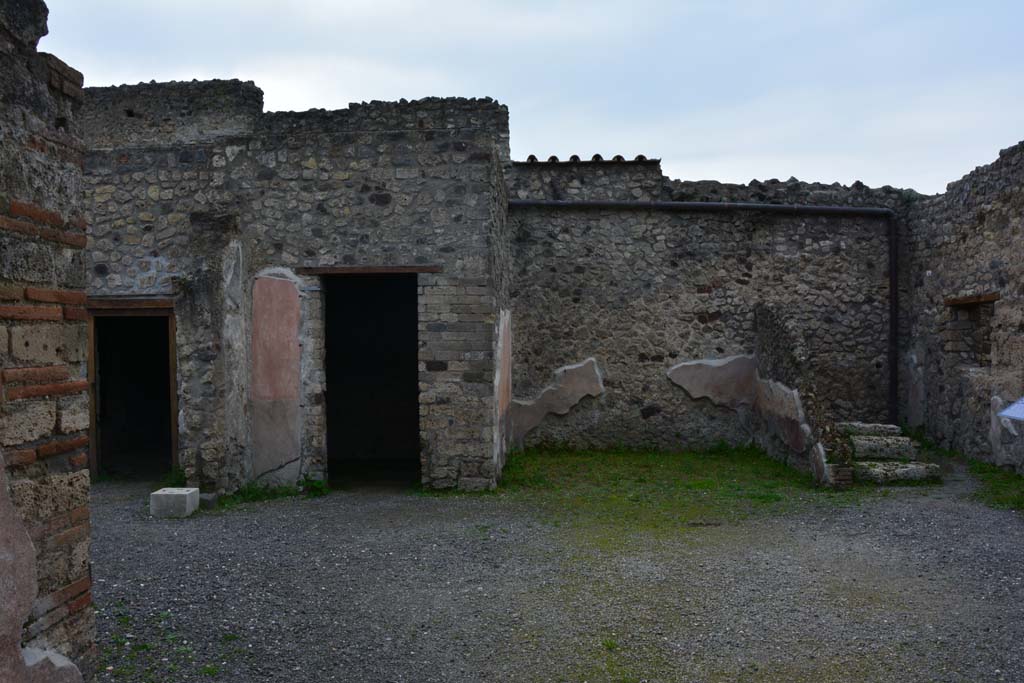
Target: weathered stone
{"x":570,"y":385}
{"x":41,"y":286}
{"x":72,"y":413}
{"x":219,"y":204}
{"x":868,"y":429}
{"x":24,"y":421}
{"x":38,"y":344}
{"x":883,"y":448}
{"x":885,"y":472}
{"x":18,"y":587}
{"x":173,"y":502}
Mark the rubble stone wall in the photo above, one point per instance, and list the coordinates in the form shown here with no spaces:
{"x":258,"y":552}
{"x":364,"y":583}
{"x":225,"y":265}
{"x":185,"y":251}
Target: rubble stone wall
{"x":44,"y":408}
{"x":963,"y":351}
{"x":641,"y":290}
{"x":196,"y":167}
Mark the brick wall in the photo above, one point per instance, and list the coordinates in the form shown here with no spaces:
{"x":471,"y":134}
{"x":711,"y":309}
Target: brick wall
{"x":44,"y":411}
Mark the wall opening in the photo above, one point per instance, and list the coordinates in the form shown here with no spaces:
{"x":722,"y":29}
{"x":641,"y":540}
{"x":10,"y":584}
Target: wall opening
{"x":967,"y":333}
{"x":372,"y":379}
{"x":133,"y":402}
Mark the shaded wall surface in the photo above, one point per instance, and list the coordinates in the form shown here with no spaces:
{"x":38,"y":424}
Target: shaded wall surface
{"x":44,"y":413}
{"x":193,"y":191}
{"x":963,"y":356}
{"x":641,"y":290}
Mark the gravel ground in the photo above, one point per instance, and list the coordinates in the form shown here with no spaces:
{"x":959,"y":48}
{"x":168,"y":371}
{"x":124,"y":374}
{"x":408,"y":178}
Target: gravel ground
{"x":919,"y":584}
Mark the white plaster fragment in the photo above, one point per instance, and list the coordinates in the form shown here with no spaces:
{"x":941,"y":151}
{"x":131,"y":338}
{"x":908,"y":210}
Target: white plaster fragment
{"x":571,"y":385}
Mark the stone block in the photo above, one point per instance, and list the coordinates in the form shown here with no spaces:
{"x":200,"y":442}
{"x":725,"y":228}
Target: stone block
{"x":208,"y":501}
{"x":174,"y":502}
{"x":74,"y":342}
{"x":38,"y":344}
{"x":41,"y":499}
{"x":883,"y":448}
{"x":885,"y":472}
{"x":73,"y":413}
{"x":868,"y":429}
{"x":23,"y":421}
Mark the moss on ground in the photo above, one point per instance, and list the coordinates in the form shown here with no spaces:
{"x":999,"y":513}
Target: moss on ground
{"x":615,"y":494}
{"x":998,"y":488}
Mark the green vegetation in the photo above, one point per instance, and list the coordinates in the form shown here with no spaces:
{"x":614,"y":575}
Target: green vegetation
{"x":148,"y":649}
{"x":998,"y":487}
{"x":930,"y":451}
{"x":255,"y":493}
{"x":615,"y":493}
{"x":174,"y":479}
{"x":313,"y":488}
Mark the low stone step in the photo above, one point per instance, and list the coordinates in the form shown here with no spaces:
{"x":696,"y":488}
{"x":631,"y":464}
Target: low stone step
{"x":889,"y":471}
{"x":868,"y":429}
{"x":883,"y":448}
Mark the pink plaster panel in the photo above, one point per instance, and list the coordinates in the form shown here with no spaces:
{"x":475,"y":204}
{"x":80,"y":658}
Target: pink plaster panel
{"x":275,"y":340}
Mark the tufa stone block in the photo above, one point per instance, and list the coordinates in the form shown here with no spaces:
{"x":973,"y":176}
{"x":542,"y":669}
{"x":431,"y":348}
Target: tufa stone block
{"x":174,"y":502}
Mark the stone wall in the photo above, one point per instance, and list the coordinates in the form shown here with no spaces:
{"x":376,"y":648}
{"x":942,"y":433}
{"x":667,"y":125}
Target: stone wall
{"x":641,"y":290}
{"x":963,"y":352}
{"x":44,"y":411}
{"x":180,"y":175}
{"x":791,"y":419}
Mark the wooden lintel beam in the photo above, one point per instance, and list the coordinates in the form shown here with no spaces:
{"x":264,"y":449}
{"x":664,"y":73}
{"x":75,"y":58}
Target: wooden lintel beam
{"x":973,"y":299}
{"x":368,"y":270}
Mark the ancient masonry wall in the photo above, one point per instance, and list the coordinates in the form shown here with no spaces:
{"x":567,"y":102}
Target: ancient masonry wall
{"x":44,"y":413}
{"x":180,"y":175}
{"x":642,"y":290}
{"x":963,"y":357}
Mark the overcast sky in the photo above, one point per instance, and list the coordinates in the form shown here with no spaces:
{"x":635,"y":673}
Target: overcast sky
{"x":906,"y":93}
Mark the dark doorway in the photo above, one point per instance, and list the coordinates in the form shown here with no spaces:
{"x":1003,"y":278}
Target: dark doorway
{"x":372,"y":379}
{"x":133,"y":396}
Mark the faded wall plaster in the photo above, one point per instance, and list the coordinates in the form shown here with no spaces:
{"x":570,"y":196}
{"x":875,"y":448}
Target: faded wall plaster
{"x":275,"y":381}
{"x":502,"y":388}
{"x":778,"y":417}
{"x":571,"y":384}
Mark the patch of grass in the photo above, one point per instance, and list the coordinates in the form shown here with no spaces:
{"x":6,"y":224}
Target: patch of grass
{"x":257,"y":493}
{"x":929,"y":450}
{"x":174,"y":479}
{"x":999,"y":488}
{"x":313,"y":488}
{"x":609,"y":500}
{"x":616,"y":493}
{"x":209,"y":670}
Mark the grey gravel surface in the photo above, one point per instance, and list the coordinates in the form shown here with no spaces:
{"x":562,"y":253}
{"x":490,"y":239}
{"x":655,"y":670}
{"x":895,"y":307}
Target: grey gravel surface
{"x":919,"y":584}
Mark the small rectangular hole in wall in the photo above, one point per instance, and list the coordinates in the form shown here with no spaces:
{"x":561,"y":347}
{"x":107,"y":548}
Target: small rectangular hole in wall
{"x":968,"y":332}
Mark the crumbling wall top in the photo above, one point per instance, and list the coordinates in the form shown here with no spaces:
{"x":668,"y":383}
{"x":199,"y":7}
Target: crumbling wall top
{"x":24,"y":20}
{"x":164,"y":114}
{"x":987,"y":184}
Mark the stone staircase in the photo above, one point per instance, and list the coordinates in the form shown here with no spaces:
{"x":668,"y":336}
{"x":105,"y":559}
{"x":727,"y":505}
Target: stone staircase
{"x":881,"y":454}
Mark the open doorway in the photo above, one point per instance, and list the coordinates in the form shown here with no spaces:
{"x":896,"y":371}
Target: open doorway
{"x":133,"y":400}
{"x":372,"y":379}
